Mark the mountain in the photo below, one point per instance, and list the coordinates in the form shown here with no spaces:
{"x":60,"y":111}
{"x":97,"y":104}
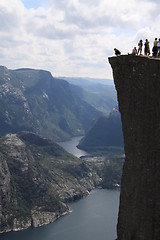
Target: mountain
{"x":106,"y":132}
{"x":86,"y":81}
{"x":33,"y":100}
{"x":101,"y":97}
{"x":99,"y":93}
{"x":37,"y":179}
{"x":137,"y":80}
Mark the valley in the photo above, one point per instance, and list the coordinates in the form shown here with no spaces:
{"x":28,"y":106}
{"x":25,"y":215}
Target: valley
{"x":38,"y":177}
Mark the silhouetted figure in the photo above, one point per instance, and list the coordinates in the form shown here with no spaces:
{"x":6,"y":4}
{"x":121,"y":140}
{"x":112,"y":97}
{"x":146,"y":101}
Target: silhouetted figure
{"x":117,"y":52}
{"x":134,"y":51}
{"x":155,"y":48}
{"x":158,"y":46}
{"x":140,"y":45}
{"x":146,"y":48}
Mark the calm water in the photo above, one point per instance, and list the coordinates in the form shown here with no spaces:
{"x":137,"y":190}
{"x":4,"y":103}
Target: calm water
{"x":70,"y":146}
{"x":93,"y":218}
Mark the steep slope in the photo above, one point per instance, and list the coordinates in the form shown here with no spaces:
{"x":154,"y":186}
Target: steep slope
{"x":37,"y":179}
{"x":101,"y":97}
{"x":99,"y":93}
{"x":106,"y":132}
{"x":137,"y":81}
{"x":33,"y":100}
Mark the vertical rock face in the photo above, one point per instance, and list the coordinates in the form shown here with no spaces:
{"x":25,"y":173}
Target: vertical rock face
{"x":137,"y":80}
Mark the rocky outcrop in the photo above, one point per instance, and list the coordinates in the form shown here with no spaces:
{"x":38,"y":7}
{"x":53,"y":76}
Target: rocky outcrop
{"x":137,"y":81}
{"x":37,"y":180}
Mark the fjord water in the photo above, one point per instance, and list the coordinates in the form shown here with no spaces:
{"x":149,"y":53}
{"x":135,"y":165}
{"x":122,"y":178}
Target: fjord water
{"x":70,"y":146}
{"x":93,"y":217}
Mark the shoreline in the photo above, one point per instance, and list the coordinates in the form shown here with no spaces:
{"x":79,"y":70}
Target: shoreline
{"x":70,"y":210}
{"x":41,"y":225}
{"x":52,"y":220}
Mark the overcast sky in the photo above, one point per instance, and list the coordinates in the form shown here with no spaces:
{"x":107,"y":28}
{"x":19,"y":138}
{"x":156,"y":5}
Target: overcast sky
{"x":73,"y":37}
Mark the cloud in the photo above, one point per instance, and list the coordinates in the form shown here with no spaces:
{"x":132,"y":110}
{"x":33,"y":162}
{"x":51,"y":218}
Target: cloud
{"x":73,"y":37}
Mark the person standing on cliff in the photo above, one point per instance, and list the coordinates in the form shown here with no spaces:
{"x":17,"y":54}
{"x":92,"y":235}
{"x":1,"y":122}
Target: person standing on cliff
{"x":146,"y":48}
{"x":140,"y":44}
{"x":158,"y":46}
{"x":155,"y":48}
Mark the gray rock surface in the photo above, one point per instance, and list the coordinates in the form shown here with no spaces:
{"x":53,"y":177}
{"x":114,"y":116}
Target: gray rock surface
{"x":137,"y":81}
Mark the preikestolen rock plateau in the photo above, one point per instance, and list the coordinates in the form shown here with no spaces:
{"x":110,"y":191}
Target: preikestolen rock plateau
{"x":137,"y":81}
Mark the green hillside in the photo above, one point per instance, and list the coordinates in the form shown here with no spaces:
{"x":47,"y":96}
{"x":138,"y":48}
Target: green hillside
{"x":106,"y":133}
{"x":37,"y":179}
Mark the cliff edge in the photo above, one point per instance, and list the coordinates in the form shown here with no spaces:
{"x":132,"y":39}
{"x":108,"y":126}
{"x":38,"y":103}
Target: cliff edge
{"x":137,"y":81}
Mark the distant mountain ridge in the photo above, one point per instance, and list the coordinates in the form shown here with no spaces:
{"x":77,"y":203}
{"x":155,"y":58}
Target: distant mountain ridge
{"x":86,"y":81}
{"x":99,"y":93}
{"x":34,"y":100}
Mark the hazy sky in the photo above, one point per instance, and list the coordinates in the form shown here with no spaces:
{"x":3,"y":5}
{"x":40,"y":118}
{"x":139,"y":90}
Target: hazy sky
{"x":73,"y":37}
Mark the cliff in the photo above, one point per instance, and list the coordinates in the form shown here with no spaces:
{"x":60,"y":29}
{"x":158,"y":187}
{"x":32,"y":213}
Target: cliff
{"x":137,"y":81}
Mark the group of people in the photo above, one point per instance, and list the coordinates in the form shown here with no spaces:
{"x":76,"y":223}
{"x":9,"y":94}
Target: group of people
{"x":155,"y":49}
